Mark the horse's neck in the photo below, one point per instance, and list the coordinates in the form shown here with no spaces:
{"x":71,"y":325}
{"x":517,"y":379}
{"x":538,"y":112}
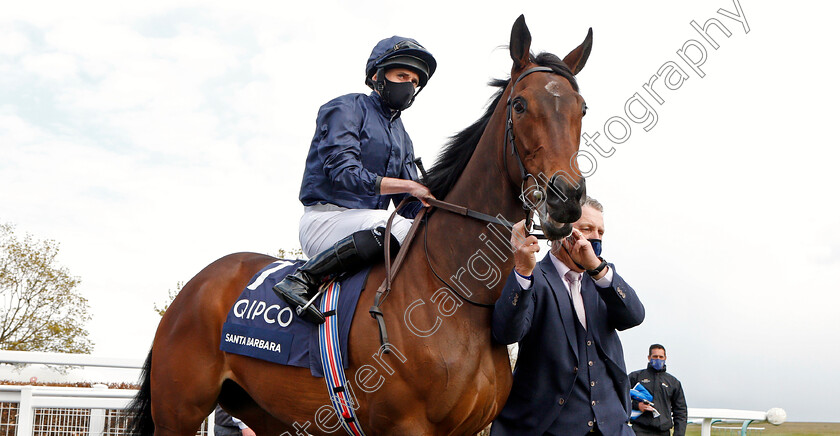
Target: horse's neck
{"x":471,"y":244}
{"x":474,"y":260}
{"x":484,"y":184}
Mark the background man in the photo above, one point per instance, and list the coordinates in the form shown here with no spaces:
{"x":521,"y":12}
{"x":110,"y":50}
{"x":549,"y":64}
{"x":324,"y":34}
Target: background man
{"x":570,"y":377}
{"x":226,"y":425}
{"x":668,"y":398}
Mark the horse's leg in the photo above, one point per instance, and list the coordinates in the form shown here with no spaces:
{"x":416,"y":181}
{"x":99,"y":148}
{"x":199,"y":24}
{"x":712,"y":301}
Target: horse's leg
{"x":187,"y":366}
{"x":290,"y":393}
{"x":262,"y":423}
{"x":239,"y":403}
{"x":271,"y":426}
{"x":183,"y":393}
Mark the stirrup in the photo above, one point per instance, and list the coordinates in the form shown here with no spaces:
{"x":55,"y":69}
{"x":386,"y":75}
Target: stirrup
{"x":309,"y":312}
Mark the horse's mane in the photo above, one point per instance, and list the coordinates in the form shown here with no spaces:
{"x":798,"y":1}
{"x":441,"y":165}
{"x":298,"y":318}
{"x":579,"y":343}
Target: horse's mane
{"x":455,"y":155}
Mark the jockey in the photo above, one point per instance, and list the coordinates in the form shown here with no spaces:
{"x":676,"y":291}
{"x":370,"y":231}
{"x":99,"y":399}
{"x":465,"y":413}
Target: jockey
{"x":360,"y":160}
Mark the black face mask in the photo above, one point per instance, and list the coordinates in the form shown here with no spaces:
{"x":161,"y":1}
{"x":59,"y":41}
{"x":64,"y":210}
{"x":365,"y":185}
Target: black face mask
{"x":398,"y":95}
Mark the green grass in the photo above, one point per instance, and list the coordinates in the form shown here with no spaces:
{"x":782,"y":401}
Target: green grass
{"x":786,"y":429}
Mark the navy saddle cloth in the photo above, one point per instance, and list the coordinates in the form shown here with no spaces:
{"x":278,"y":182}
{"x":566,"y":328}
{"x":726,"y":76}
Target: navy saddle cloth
{"x":261,"y":325}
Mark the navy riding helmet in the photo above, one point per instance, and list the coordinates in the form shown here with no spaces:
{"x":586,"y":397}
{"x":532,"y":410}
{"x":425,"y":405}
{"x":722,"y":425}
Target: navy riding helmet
{"x":398,"y":51}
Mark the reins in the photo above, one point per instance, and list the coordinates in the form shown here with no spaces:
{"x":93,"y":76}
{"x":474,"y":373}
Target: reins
{"x":391,"y":270}
{"x":432,"y":268}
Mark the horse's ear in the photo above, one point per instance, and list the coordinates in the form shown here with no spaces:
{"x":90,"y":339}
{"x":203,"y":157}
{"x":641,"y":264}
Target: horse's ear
{"x":576,"y":58}
{"x":520,"y":43}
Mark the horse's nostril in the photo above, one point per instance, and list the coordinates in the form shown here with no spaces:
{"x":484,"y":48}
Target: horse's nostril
{"x":565,"y":198}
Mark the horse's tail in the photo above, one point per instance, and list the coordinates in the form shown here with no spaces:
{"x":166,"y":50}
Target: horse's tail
{"x":140,"y":409}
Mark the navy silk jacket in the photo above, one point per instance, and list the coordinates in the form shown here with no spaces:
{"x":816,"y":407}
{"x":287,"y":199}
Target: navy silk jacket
{"x":358,"y":140}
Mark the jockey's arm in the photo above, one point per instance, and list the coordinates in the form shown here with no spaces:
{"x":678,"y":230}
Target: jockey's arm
{"x":391,"y":185}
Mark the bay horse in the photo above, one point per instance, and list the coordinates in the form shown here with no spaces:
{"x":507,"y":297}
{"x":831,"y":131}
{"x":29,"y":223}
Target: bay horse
{"x":444,"y":374}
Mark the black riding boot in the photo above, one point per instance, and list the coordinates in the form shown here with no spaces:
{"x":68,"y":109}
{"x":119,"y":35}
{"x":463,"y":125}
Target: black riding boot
{"x":347,"y":255}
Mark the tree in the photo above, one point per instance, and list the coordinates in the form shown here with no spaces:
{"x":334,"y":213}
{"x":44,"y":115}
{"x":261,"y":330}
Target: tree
{"x":172,"y":294}
{"x":40,"y":309}
{"x":294,"y":253}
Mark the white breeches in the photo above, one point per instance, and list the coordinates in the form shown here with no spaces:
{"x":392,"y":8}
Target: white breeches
{"x":323,"y":225}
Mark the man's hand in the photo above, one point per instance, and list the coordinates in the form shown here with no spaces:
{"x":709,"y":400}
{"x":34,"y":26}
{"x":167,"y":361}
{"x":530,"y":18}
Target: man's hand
{"x":524,"y":248}
{"x":645,"y":407}
{"x":391,"y":185}
{"x":420,"y":192}
{"x":580,"y":250}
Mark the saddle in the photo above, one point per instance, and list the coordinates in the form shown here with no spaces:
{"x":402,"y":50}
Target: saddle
{"x":263,"y":326}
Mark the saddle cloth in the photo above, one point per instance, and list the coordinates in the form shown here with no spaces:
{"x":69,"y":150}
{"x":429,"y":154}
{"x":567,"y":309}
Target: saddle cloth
{"x":261,"y":325}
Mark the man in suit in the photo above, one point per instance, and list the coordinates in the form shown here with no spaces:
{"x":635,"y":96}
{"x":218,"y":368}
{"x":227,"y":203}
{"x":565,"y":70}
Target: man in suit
{"x":226,"y":425}
{"x":565,"y":312}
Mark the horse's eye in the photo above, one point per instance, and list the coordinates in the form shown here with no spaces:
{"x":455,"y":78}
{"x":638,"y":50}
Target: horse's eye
{"x":519,"y":105}
{"x":584,"y":109}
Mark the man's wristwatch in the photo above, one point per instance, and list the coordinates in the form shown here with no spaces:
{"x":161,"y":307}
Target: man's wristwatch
{"x":597,"y":270}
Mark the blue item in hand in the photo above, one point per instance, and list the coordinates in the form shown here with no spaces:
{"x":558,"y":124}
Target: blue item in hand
{"x":639,"y":393}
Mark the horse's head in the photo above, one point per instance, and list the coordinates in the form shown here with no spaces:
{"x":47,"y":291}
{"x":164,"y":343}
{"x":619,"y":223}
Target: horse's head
{"x":543,"y":130}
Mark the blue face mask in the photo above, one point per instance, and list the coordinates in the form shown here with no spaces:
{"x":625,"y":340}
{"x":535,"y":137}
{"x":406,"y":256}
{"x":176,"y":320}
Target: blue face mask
{"x":657,"y":364}
{"x":596,"y":246}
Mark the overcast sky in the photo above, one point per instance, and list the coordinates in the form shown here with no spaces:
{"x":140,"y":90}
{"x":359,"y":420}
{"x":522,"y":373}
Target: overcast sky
{"x":150,"y":138}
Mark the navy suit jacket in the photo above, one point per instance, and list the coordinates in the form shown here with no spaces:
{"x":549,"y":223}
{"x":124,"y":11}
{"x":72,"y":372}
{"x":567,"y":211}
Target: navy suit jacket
{"x":541,"y":319}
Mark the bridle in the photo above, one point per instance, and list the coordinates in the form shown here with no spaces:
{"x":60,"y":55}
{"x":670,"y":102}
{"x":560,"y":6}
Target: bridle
{"x":524,"y":175}
{"x":509,"y":136}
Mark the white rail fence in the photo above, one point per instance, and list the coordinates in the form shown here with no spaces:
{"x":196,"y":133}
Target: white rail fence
{"x":95,"y":411}
{"x":707,"y":417}
{"x":31,"y":357}
{"x":99,"y":411}
{"x":49,"y":411}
